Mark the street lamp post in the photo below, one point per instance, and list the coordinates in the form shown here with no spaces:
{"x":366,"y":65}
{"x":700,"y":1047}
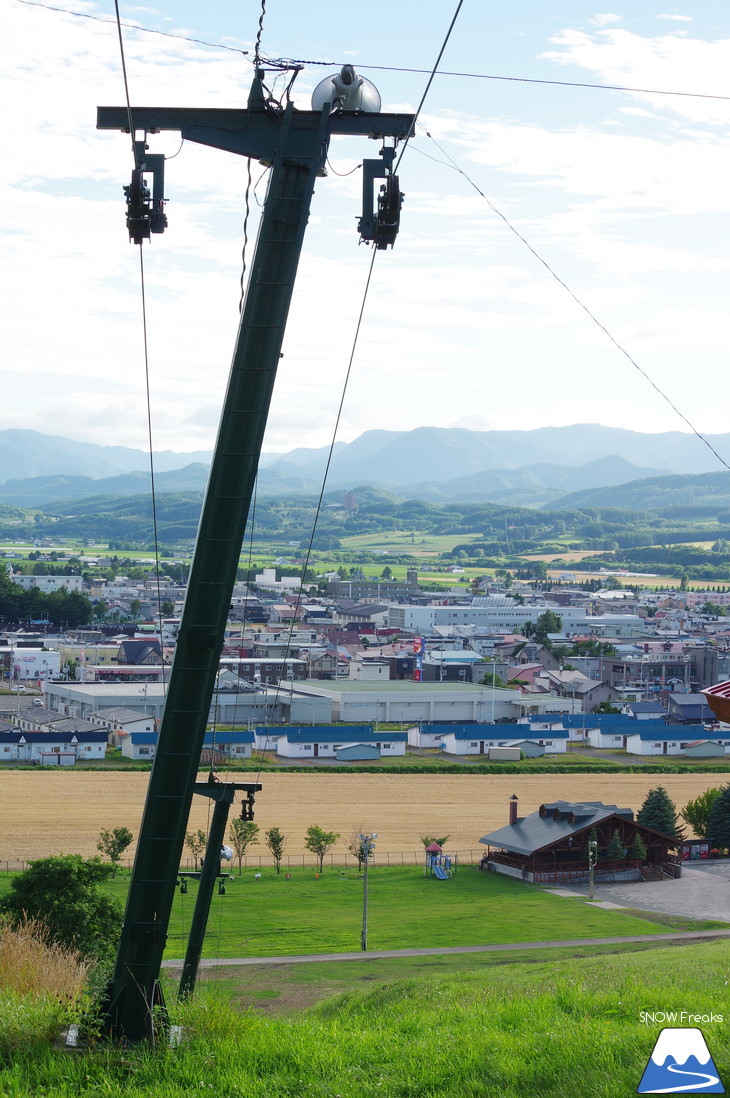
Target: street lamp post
{"x":592,"y":859}
{"x":367,"y":846}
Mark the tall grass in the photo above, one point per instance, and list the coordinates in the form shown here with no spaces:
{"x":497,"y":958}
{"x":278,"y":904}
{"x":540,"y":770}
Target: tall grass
{"x":31,"y":962}
{"x":41,"y":985}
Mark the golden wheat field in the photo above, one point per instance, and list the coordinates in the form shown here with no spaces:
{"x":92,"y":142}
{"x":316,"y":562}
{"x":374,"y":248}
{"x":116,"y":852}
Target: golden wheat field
{"x":46,"y":812}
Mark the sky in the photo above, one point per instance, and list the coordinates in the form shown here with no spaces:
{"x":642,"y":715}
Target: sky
{"x":623,"y":195}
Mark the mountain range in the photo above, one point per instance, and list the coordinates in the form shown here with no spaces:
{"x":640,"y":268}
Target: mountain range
{"x":556,"y":466}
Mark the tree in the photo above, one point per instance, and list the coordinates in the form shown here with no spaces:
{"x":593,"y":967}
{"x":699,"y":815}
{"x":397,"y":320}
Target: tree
{"x":318,"y":842}
{"x":549,"y":622}
{"x":615,"y":851}
{"x":243,"y":834}
{"x":64,"y":892}
{"x":275,"y":840}
{"x":718,"y":827}
{"x":606,"y":707}
{"x":428,"y":839}
{"x":135,"y":607}
{"x":697,"y":812}
{"x":196,"y":841}
{"x":637,"y":850}
{"x":659,"y":812}
{"x":357,"y":846}
{"x":167,"y":608}
{"x":101,"y":609}
{"x":113,"y":843}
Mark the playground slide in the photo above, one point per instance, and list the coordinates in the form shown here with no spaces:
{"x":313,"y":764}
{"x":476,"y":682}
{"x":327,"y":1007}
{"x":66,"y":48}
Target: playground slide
{"x":440,"y":873}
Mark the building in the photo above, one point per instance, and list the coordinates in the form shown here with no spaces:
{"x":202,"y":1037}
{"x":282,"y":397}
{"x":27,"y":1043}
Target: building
{"x":340,"y":742}
{"x":479,"y":739}
{"x":52,"y":746}
{"x":410,"y":702}
{"x":46,"y":584}
{"x":550,"y":846}
{"x":238,"y":709}
{"x":220,"y":747}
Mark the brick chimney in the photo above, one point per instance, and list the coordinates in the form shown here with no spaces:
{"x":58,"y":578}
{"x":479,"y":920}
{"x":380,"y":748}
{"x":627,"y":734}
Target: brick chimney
{"x":513,"y":809}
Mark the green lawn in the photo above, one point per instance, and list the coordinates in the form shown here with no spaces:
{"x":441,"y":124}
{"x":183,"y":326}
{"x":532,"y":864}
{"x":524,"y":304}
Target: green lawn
{"x":304,"y":914}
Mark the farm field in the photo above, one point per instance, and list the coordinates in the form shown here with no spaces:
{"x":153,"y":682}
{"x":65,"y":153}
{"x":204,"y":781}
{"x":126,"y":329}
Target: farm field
{"x":49,"y":812}
{"x":404,"y":541}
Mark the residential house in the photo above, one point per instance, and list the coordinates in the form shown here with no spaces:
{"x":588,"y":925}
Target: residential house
{"x":327,"y":741}
{"x":478,"y":739}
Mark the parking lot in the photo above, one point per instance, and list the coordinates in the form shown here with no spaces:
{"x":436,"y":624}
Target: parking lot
{"x":703,"y":892}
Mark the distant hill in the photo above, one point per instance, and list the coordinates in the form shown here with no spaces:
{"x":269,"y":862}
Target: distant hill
{"x":528,"y":468}
{"x":531,"y":485}
{"x":46,"y":492}
{"x":26,"y":454}
{"x":705,"y":491}
{"x":444,"y":454}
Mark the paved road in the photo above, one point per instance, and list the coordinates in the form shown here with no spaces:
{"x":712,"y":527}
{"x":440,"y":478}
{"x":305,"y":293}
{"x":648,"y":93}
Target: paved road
{"x":376,"y":955}
{"x":703,"y":892}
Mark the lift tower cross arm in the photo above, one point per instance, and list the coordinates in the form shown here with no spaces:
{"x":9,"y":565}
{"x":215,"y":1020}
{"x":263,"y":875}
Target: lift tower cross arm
{"x":295,"y":144}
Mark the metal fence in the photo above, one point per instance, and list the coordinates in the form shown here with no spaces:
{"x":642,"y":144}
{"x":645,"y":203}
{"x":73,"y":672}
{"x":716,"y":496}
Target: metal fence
{"x":332,"y":860}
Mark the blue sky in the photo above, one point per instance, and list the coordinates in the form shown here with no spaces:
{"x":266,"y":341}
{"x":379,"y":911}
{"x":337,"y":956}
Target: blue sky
{"x":623,"y":194}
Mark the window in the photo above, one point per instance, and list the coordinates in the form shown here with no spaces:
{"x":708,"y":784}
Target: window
{"x":306,"y":747}
{"x":88,"y":747}
{"x":616,"y":739}
{"x":657,"y":744}
{"x":473,"y":743}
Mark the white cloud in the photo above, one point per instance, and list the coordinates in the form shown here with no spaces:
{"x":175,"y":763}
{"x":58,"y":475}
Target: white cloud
{"x":623,"y":195}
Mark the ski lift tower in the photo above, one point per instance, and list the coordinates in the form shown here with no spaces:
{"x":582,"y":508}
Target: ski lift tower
{"x":294,"y":144}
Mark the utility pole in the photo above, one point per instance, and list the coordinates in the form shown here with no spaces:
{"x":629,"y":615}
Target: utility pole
{"x":294,"y":143}
{"x":367,"y":846}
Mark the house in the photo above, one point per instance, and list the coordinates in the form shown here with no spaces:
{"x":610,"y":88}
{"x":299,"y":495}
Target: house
{"x":117,"y":720}
{"x":688,"y":708}
{"x":51,"y":746}
{"x":479,"y":739}
{"x":617,"y":728}
{"x":551,"y":845}
{"x":221,"y":747}
{"x":327,"y":741}
{"x":645,"y":711}
{"x":672,"y":740}
{"x":140,"y":652}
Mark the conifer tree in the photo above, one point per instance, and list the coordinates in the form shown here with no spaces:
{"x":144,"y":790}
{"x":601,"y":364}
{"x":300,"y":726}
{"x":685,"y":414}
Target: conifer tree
{"x":660,"y":814}
{"x":615,"y":851}
{"x":637,"y":850}
{"x":718,"y":828}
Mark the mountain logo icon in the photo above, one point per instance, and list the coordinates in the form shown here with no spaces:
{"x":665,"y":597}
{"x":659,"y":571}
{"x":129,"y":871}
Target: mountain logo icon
{"x":680,"y":1063}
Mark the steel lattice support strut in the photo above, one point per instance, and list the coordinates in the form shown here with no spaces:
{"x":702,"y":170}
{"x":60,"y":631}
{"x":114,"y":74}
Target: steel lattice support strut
{"x":294,"y":143}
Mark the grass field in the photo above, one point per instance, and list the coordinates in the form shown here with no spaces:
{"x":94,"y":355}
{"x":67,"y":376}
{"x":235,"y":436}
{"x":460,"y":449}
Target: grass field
{"x":557,"y":1030}
{"x":63,"y":811}
{"x":310,"y":913}
{"x":405,"y":541}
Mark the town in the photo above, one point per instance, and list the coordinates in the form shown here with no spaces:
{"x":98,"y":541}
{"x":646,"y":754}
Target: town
{"x":367,"y":668}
